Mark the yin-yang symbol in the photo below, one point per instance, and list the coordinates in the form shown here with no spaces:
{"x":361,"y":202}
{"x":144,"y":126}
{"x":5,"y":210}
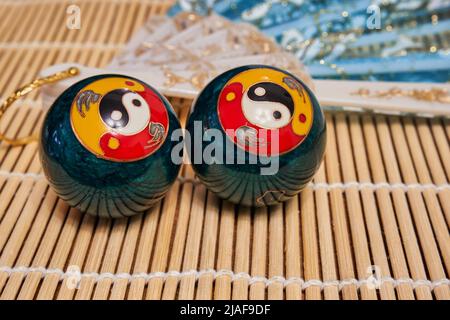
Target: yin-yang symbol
{"x":119,"y":118}
{"x":124,"y":111}
{"x":265,"y":111}
{"x":268,"y":105}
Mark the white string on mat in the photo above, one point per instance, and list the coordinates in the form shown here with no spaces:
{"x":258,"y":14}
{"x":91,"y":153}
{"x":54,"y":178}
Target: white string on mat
{"x":59,"y":45}
{"x":313,"y":185}
{"x":380,"y":185}
{"x":35,"y":176}
{"x":27,"y":102}
{"x":304,"y":284}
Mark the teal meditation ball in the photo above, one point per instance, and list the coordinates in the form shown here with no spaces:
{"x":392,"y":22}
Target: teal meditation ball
{"x":256,"y":135}
{"x":105,"y":146}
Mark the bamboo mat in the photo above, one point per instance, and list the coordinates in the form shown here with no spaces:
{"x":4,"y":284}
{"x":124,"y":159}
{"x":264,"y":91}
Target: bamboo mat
{"x":379,"y":202}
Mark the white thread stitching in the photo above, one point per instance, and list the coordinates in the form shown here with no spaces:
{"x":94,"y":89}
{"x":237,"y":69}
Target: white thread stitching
{"x":60,"y":45}
{"x":304,"y":284}
{"x":27,"y":102}
{"x":315,"y":186}
{"x":35,"y":176}
{"x":380,"y":185}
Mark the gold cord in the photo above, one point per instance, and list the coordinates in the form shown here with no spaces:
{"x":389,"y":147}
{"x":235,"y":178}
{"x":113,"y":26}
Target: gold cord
{"x":39,"y":82}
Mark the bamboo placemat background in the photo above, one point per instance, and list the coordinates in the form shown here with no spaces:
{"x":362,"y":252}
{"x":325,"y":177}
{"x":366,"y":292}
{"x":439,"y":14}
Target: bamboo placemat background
{"x":380,"y":199}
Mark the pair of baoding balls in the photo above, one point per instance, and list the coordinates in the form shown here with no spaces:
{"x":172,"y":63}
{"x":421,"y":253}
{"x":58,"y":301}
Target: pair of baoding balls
{"x":255,"y":136}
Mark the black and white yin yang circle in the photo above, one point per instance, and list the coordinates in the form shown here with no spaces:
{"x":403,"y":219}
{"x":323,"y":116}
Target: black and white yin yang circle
{"x":268,"y":105}
{"x":124,"y":111}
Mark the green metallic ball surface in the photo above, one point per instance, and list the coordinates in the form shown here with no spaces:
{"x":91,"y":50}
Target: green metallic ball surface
{"x":105,"y":146}
{"x":257,"y":135}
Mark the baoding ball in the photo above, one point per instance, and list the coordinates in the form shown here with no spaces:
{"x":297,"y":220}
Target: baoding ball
{"x":105,"y":146}
{"x":256,"y":135}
